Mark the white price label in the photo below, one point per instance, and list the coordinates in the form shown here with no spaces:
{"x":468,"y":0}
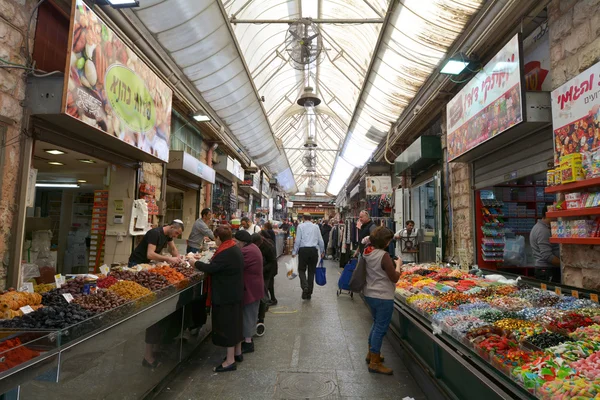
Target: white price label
{"x":26,"y":309}
{"x":105,"y":269}
{"x":27,"y":287}
{"x":58,"y":280}
{"x":68,"y":297}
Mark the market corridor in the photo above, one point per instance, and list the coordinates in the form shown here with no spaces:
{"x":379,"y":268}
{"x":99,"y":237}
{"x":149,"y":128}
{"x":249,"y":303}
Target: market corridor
{"x":311,"y":349}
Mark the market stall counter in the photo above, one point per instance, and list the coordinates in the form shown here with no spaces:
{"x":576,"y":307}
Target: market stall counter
{"x":123,"y":333}
{"x":492,"y":337}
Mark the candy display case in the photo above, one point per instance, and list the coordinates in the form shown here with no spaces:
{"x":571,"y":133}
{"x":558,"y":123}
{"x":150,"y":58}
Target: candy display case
{"x":505,"y":338}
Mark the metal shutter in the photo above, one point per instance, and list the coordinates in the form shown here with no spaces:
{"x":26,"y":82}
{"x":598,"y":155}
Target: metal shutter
{"x":530,"y":155}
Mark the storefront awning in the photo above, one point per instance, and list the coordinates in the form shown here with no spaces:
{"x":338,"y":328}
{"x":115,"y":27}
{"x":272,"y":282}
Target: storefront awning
{"x":189,"y":167}
{"x":425,"y":152}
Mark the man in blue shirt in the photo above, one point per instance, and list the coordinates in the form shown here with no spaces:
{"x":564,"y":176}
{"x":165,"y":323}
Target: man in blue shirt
{"x":308,"y":242}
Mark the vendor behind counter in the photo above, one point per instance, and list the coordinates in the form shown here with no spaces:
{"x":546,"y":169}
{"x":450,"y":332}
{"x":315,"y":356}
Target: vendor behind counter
{"x":154,"y":242}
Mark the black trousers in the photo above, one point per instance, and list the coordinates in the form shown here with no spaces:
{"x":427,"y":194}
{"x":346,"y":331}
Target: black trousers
{"x":307,"y":261}
{"x":548,"y":274}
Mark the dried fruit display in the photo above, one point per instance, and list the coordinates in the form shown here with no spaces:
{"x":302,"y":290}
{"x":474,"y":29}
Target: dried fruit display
{"x":151,"y":281}
{"x":130,"y":290}
{"x":101,"y":301}
{"x":170,"y":273}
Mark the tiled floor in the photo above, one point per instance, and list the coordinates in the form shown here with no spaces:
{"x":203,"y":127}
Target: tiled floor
{"x":311,"y":349}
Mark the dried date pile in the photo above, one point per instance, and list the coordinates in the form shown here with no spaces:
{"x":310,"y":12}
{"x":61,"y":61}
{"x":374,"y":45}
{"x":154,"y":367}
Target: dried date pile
{"x":151,"y":281}
{"x":101,"y":301}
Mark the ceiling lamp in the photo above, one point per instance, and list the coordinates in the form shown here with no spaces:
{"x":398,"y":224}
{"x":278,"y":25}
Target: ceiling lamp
{"x":457,"y":64}
{"x":119,"y":3}
{"x":86,"y":161}
{"x":57,"y":185}
{"x":308,"y":98}
{"x":201,"y":118}
{"x":55,"y":152}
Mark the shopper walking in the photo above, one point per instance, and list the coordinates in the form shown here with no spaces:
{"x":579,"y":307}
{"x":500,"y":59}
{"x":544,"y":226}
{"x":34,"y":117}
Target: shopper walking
{"x":226,"y":270}
{"x":545,"y":254}
{"x":200,"y":232}
{"x":367,"y":226}
{"x":380,"y":286}
{"x":269,"y":254}
{"x":325,"y":231}
{"x":247,"y":225}
{"x":307,"y":246}
{"x":254,"y":286}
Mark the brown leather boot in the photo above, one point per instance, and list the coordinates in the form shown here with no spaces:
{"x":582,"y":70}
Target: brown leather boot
{"x":368,"y":358}
{"x":377,"y":367}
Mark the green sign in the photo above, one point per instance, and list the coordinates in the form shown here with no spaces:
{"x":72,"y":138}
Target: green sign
{"x":130,"y":98}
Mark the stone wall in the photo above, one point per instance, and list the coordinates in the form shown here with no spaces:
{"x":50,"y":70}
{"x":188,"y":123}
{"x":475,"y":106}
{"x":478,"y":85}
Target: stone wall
{"x":461,"y":235}
{"x":574,"y":47}
{"x":14,"y":16}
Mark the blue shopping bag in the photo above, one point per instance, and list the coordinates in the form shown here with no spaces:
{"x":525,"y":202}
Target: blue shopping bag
{"x":321,"y":274}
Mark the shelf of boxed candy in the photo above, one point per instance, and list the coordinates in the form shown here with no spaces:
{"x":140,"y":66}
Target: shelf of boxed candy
{"x":33,"y":324}
{"x":546,"y":343}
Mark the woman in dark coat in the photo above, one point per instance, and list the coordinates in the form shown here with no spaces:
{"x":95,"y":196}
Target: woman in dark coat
{"x":254,"y":287}
{"x":267,"y":249}
{"x":226,"y":272}
{"x":268,"y":229}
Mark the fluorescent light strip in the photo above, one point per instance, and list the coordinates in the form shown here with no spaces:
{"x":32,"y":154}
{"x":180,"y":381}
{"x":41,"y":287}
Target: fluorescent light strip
{"x":57,"y":185}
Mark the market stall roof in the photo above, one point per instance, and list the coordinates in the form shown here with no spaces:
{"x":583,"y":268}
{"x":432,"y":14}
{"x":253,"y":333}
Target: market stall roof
{"x":375,"y":56}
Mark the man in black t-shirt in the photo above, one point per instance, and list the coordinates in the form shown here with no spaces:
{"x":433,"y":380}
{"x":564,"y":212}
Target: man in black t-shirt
{"x":154,"y":242}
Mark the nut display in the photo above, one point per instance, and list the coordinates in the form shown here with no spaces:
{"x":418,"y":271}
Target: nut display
{"x":170,"y":273}
{"x":129,"y":290}
{"x":101,"y":301}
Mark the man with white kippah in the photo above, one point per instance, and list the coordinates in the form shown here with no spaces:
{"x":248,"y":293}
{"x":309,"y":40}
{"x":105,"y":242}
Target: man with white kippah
{"x":154,"y":242}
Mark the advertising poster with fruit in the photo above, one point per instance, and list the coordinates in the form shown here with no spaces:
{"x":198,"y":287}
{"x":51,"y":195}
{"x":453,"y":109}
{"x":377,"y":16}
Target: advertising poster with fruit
{"x":576,"y":115}
{"x":489,"y":104}
{"x":111,"y":89}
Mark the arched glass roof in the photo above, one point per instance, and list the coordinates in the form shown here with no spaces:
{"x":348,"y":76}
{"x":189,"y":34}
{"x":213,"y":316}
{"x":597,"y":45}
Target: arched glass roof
{"x":364,"y":88}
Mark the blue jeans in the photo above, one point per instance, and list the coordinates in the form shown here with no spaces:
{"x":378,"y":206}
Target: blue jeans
{"x":192,"y":250}
{"x":382,"y":311}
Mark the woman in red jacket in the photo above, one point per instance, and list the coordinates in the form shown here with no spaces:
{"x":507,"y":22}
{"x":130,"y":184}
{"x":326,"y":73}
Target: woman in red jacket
{"x":254,"y":287}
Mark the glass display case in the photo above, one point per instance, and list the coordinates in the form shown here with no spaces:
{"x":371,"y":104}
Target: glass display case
{"x":109,"y":347}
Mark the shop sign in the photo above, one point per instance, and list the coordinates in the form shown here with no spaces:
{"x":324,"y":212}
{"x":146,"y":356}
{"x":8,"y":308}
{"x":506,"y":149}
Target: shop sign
{"x":536,"y":50}
{"x":576,"y":114}
{"x":318,"y":210}
{"x":111,"y":89}
{"x":237,"y":170}
{"x":489,"y":104}
{"x":196,"y":167}
{"x":378,"y":185}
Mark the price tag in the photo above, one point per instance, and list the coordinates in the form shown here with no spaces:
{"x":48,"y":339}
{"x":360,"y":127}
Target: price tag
{"x":27,"y":287}
{"x":594,"y":297}
{"x":58,"y":280}
{"x":104,"y":269}
{"x":26,"y":309}
{"x":558,"y":291}
{"x":68,"y":297}
{"x":575,"y":293}
{"x":543,"y":286}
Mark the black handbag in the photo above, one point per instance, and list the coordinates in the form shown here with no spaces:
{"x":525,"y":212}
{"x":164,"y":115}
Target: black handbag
{"x":359,"y":276}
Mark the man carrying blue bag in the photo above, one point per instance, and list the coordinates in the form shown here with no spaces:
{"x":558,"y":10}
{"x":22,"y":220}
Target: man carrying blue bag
{"x":307,"y":246}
